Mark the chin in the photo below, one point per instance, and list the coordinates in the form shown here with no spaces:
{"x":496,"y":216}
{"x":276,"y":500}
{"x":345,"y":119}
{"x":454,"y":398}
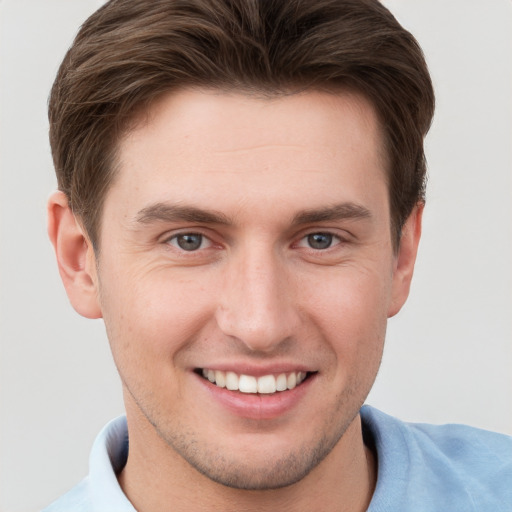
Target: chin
{"x":255,"y":471}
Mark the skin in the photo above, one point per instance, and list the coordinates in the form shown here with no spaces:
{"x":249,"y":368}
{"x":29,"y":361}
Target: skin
{"x":254,"y":296}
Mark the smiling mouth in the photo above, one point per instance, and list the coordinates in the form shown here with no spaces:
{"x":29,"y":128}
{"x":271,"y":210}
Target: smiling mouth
{"x":266,"y":384}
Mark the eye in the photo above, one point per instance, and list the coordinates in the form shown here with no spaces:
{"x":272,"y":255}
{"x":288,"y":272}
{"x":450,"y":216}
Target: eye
{"x":319,"y":241}
{"x":189,"y":241}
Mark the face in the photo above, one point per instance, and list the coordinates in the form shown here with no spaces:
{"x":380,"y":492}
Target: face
{"x":245,"y":278}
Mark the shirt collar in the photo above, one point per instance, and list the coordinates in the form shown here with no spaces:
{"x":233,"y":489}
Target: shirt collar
{"x":108,"y":457}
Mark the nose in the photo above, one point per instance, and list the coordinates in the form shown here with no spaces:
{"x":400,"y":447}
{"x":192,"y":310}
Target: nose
{"x":257,"y":301}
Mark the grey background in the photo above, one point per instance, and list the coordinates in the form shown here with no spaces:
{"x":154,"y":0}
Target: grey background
{"x":449,"y":353}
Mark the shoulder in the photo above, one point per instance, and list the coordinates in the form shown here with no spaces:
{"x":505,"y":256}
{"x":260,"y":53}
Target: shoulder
{"x":445,"y":464}
{"x":100,"y":491}
{"x":78,"y":499}
{"x":466,"y":447}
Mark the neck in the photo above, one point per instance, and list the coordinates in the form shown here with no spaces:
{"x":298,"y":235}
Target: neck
{"x":159,"y":480}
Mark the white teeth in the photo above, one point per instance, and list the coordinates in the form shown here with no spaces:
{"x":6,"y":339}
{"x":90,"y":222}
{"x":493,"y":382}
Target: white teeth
{"x":281,"y":384}
{"x":247,"y":384}
{"x":232,"y":381}
{"x":266,"y":384}
{"x":291,"y":381}
{"x":220,"y":379}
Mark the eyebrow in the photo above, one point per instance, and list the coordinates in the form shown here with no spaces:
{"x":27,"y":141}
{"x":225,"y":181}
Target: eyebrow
{"x":340,"y":211}
{"x":165,"y":212}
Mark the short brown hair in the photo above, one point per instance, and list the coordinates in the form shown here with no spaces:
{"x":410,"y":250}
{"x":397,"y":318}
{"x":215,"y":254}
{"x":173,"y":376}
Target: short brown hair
{"x":130,"y":52}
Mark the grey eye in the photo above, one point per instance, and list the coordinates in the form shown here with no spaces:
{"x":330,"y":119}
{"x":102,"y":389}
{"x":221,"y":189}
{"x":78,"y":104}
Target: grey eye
{"x":189,"y":241}
{"x":320,"y":240}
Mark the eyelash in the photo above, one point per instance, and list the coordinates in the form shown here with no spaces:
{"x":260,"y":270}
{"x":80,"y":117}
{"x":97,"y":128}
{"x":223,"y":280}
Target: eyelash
{"x":203,"y":239}
{"x":332,"y":241}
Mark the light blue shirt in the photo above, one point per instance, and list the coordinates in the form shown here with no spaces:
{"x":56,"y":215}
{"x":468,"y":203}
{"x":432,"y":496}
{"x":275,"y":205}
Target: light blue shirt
{"x":421,"y":468}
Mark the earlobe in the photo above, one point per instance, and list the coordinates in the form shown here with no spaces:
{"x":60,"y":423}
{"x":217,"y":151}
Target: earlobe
{"x":405,"y":260}
{"x":75,"y":257}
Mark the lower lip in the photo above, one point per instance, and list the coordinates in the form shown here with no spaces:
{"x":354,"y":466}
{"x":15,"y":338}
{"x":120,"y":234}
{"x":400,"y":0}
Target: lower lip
{"x":258,"y":406}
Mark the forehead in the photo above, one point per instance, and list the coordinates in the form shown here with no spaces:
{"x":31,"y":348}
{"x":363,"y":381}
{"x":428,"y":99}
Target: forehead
{"x":210,"y":142}
{"x":253,"y":116}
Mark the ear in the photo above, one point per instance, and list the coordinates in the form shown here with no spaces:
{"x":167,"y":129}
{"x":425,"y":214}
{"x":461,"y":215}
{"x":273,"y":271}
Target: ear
{"x":75,"y":257}
{"x":405,"y":260}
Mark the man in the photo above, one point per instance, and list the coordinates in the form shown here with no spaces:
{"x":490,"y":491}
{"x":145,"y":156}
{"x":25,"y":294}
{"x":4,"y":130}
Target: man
{"x":241,"y":193}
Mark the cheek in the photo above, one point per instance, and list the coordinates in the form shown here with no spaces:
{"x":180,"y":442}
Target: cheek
{"x":351,"y":311}
{"x":151,"y":317}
